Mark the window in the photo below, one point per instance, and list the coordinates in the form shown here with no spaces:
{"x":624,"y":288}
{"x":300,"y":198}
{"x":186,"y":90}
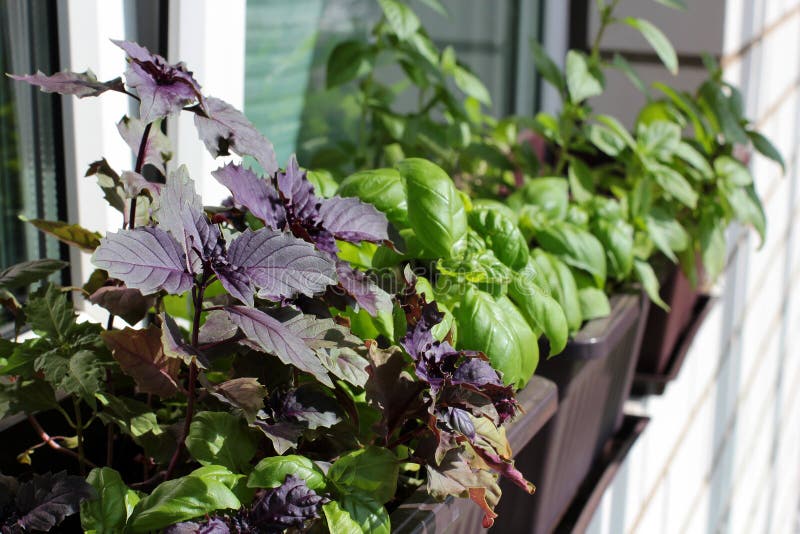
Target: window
{"x":31,"y":162}
{"x":288,"y":42}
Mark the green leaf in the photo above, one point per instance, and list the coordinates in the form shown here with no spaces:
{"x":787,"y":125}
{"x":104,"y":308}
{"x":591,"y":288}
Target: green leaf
{"x":712,"y":245}
{"x":686,"y":104}
{"x":400,"y":17}
{"x":727,"y":121}
{"x":659,"y":139}
{"x":526,"y":337}
{"x":50,"y":314}
{"x":675,"y":185}
{"x":235,"y":482}
{"x":674,"y":4}
{"x":576,"y":247}
{"x":435,"y":210}
{"x":621,"y":64}
{"x":581,"y":182}
{"x":71,"y":234}
{"x":546,"y":67}
{"x":566,"y":288}
{"x":221,"y":438}
{"x":347,"y":61}
{"x":324,"y":184}
{"x":582,"y":83}
{"x":766,"y":148}
{"x":617,"y":239}
{"x":618,"y":129}
{"x":747,"y":209}
{"x":482,"y":326}
{"x":732,"y":172}
{"x":471,"y":85}
{"x":383,"y":188}
{"x":271,"y":472}
{"x":356,"y":513}
{"x":181,"y":499}
{"x":594,"y":303}
{"x":666,"y":233}
{"x":647,"y":277}
{"x":549,"y":195}
{"x":84,"y":377}
{"x":28,"y":272}
{"x":605,"y":139}
{"x":502,"y":236}
{"x":542,"y":311}
{"x":657,"y":40}
{"x":107,"y":513}
{"x":693,"y":157}
{"x":372,"y":470}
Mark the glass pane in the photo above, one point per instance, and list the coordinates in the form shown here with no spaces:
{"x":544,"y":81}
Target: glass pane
{"x":287,"y":46}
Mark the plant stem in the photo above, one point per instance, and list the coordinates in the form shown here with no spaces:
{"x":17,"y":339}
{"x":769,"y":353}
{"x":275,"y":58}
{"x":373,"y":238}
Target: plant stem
{"x":138,"y":169}
{"x":79,"y":431}
{"x":51,"y":442}
{"x":606,"y":20}
{"x":197,"y":298}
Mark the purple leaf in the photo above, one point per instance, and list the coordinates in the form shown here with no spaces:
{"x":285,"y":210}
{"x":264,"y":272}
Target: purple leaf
{"x":271,"y":336}
{"x":298,"y":192}
{"x":236,"y":281}
{"x":244,"y":393}
{"x":291,"y":504}
{"x":134,"y":183}
{"x":175,"y":346}
{"x":254,"y":193}
{"x":214,"y":525}
{"x":80,"y":84}
{"x":163,"y":88}
{"x":305,"y":405}
{"x":125,"y":302}
{"x":180,"y":212}
{"x":363,"y":289}
{"x":226,"y":129}
{"x":459,"y":420}
{"x":283,"y":435}
{"x":146,"y":258}
{"x":280,"y":265}
{"x":158,"y":149}
{"x":141,"y":356}
{"x":45,"y":501}
{"x":350,"y":219}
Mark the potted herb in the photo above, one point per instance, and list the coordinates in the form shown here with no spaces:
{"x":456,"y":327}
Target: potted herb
{"x":245,"y":401}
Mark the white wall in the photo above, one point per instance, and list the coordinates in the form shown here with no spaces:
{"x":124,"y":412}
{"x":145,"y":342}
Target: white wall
{"x":722,"y":451}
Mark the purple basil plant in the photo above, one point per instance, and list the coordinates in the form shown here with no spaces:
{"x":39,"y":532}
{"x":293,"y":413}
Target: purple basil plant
{"x":258,"y":409}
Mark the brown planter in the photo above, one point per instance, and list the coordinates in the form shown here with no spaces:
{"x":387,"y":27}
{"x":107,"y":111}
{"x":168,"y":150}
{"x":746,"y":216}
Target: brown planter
{"x":602,"y":474}
{"x":421,"y":513}
{"x":664,"y":329}
{"x":656,"y":383}
{"x":594,"y":377}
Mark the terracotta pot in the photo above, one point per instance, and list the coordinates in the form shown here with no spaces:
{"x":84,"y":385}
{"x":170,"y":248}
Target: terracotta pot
{"x":594,"y":377}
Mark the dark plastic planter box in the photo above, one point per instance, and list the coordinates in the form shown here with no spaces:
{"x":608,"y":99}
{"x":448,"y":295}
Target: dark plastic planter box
{"x":421,"y":513}
{"x":656,"y":383}
{"x":581,"y":511}
{"x":593,"y":376}
{"x":664,"y":329}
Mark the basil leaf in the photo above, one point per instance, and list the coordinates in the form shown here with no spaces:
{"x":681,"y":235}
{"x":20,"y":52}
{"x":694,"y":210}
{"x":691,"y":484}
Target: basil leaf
{"x":180,"y":499}
{"x":594,"y":303}
{"x":355,"y":513}
{"x":732,"y":172}
{"x":271,"y":472}
{"x":576,"y":247}
{"x":675,"y":185}
{"x":435,"y":210}
{"x":657,"y":40}
{"x":107,"y":513}
{"x":527,"y":339}
{"x":647,"y":277}
{"x":347,"y":61}
{"x":582,"y":81}
{"x":221,"y":438}
{"x":383,"y":188}
{"x":501,"y":235}
{"x":542,"y":311}
{"x":747,"y":209}
{"x":482,"y":325}
{"x":400,"y":17}
{"x":547,"y":68}
{"x":666,"y":233}
{"x":712,"y":245}
{"x":766,"y":148}
{"x":372,"y":470}
{"x":550,"y":195}
{"x":566,"y":297}
{"x":617,"y":239}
